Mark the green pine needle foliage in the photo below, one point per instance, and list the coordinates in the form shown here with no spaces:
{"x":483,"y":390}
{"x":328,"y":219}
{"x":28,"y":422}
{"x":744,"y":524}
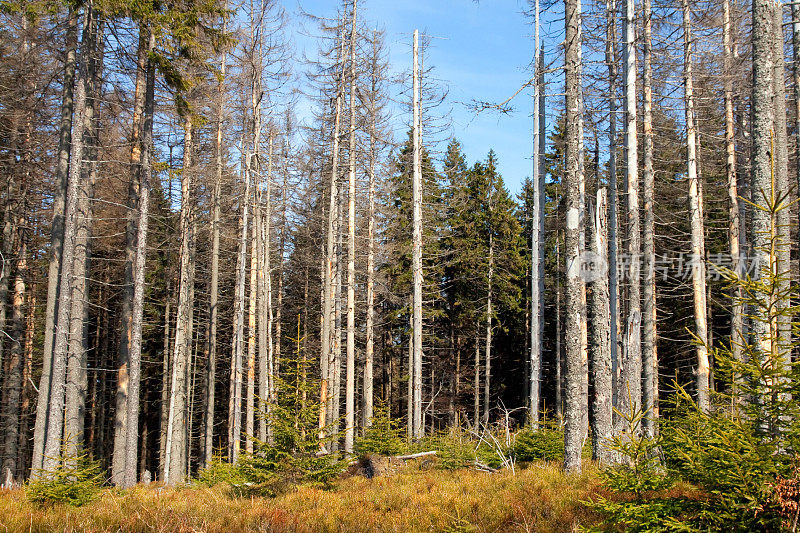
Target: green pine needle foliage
{"x":546,"y":443}
{"x":294,"y":453}
{"x":723,"y":469}
{"x":383,"y":436}
{"x":75,"y":482}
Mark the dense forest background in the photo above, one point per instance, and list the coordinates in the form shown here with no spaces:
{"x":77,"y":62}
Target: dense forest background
{"x":187,"y":249}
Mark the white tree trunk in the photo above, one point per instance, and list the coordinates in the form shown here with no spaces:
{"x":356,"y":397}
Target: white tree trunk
{"x":574,"y":432}
{"x":696,"y":216}
{"x":350,"y":388}
{"x":418,"y":430}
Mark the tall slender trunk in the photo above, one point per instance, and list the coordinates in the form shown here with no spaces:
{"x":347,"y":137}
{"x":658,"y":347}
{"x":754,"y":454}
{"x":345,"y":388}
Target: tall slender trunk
{"x":418,"y":430}
{"x":781,"y":155}
{"x":14,"y":365}
{"x":255,"y":248}
{"x":734,"y":220}
{"x":602,"y":408}
{"x":56,"y":238}
{"x":476,"y":417}
{"x":632,"y":362}
{"x":131,"y":232}
{"x":139,"y":266}
{"x":370,"y":319}
{"x":696,"y":216}
{"x":55,"y":412}
{"x":77,"y":359}
{"x":326,"y":357}
{"x":573,"y":433}
{"x":213,"y":299}
{"x":763,"y":188}
{"x":267,"y":370}
{"x":537,"y":234}
{"x":649,"y":347}
{"x":350,"y":387}
{"x":488,"y":347}
{"x":177,"y":424}
{"x":613,"y":224}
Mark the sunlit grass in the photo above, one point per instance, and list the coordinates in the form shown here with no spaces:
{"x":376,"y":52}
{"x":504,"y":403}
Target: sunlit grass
{"x":539,"y":498}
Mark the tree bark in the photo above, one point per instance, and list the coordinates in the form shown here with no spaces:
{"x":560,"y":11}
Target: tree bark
{"x":631,"y":395}
{"x":131,"y":232}
{"x":213,"y":299}
{"x":696,"y":216}
{"x":177,"y":425}
{"x":649,"y":309}
{"x":139,"y":267}
{"x":55,"y":412}
{"x":573,"y":431}
{"x":326,"y":358}
{"x":537,"y":233}
{"x":613,"y":224}
{"x":56,"y":238}
{"x":350,"y":392}
{"x":602,"y":407}
{"x":418,"y":430}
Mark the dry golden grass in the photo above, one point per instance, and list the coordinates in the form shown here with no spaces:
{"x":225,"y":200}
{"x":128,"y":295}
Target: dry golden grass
{"x":540,"y":498}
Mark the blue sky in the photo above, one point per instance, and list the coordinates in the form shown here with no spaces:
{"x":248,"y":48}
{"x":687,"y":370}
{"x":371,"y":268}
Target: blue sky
{"x":480,"y":51}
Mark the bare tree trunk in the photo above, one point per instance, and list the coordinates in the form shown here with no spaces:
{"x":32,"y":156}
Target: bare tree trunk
{"x":573,"y":433}
{"x":370,"y":319}
{"x":350,"y":387}
{"x":613,"y":224}
{"x":737,"y":316}
{"x":213,"y":300}
{"x":418,"y":430}
{"x":537,"y":234}
{"x":762,"y":181}
{"x":249,"y":429}
{"x":632,"y":362}
{"x":77,"y":358}
{"x":649,"y":346}
{"x":13,"y":371}
{"x":477,"y":384}
{"x":140,"y":264}
{"x":326,"y":358}
{"x":696,"y":215}
{"x":121,"y":412}
{"x":55,"y":421}
{"x":56,"y":238}
{"x":488,"y":347}
{"x":267,"y":370}
{"x":177,"y":434}
{"x":602,"y":408}
{"x":781,"y":156}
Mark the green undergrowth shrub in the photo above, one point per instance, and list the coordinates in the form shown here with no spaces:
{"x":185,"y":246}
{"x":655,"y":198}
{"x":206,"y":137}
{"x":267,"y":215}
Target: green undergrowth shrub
{"x":76,"y":481}
{"x":455,"y":448}
{"x":383,"y":436}
{"x":219,"y":472}
{"x":294,"y":453}
{"x":731,"y":466}
{"x":546,"y":443}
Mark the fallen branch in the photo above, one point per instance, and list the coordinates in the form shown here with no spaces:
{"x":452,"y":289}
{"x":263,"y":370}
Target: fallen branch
{"x":484,"y":467}
{"x":414,"y":455}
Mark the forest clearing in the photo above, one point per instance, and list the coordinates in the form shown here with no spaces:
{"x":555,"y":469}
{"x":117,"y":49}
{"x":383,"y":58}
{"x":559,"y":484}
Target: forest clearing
{"x":264,"y":268}
{"x":541,"y":499}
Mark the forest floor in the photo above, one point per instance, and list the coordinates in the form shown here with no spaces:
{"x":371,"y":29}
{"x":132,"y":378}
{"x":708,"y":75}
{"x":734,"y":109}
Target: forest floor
{"x":538,"y":498}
